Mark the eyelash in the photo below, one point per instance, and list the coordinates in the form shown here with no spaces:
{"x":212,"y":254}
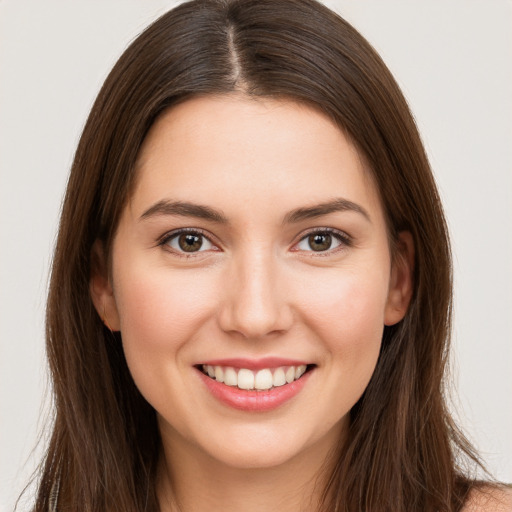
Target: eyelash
{"x":342,"y":237}
{"x":165,"y":239}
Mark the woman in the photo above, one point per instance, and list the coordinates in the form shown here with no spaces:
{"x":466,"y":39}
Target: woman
{"x":250,"y":298}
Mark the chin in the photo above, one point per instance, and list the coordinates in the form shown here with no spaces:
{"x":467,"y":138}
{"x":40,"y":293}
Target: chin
{"x":254,"y":456}
{"x":260,"y":446}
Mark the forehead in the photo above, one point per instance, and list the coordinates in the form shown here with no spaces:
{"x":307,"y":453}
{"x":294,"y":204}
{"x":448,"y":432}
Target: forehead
{"x":255,"y":153}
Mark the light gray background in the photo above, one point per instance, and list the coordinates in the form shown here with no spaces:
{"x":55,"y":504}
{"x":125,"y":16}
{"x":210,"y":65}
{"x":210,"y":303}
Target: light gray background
{"x":453,"y":59}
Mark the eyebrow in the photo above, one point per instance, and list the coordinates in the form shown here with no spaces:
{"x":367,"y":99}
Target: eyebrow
{"x":186,"y":209}
{"x":336,"y":205}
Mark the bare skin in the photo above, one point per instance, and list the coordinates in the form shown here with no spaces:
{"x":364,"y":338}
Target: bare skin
{"x":256,"y":287}
{"x":288,"y":258}
{"x":490,"y":499}
{"x":199,"y":485}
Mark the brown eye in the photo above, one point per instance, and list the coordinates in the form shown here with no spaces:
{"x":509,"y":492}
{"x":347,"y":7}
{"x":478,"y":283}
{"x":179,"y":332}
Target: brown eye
{"x":189,"y":242}
{"x":320,"y":241}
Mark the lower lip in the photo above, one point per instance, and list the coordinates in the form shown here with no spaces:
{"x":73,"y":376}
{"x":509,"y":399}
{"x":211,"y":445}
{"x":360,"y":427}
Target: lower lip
{"x":254,"y":401}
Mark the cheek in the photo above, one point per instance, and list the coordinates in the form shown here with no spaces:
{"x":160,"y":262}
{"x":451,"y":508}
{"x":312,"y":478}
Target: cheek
{"x":354,"y":341}
{"x":349,"y":308}
{"x":159,"y":314}
{"x":347,"y":317}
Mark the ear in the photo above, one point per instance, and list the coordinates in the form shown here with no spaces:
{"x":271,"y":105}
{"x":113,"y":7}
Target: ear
{"x":401,"y":282}
{"x":100,"y":288}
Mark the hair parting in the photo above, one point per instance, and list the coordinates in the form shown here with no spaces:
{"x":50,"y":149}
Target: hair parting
{"x":403,"y":451}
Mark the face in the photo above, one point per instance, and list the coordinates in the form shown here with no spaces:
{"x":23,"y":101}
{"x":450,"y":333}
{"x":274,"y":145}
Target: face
{"x":251,"y":279}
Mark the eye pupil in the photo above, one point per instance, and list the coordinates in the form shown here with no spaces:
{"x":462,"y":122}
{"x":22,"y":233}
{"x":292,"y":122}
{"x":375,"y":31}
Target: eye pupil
{"x":320,"y":241}
{"x":189,"y":242}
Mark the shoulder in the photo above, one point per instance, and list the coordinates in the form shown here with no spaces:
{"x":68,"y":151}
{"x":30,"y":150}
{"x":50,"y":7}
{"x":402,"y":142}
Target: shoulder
{"x":490,"y":499}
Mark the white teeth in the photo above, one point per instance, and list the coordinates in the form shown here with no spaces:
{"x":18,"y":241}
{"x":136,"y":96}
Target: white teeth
{"x":261,"y":380}
{"x":299,"y":371}
{"x":230,"y":377}
{"x":245,"y":379}
{"x":279,"y":378}
{"x":219,"y":374}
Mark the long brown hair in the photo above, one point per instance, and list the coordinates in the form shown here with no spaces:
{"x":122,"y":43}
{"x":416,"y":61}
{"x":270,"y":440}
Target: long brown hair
{"x":403,"y":449}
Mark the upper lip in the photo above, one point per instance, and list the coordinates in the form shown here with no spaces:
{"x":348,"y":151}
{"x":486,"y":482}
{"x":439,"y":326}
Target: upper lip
{"x":254,"y":364}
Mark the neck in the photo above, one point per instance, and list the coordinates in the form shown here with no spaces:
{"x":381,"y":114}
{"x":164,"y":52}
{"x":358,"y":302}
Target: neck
{"x":192,"y":481}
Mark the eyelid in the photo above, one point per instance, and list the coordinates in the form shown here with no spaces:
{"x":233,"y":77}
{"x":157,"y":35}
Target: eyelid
{"x":345,"y":239}
{"x":164,"y":239}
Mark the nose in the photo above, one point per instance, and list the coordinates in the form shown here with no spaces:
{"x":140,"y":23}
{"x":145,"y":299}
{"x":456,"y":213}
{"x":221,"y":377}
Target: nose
{"x":255,"y":303}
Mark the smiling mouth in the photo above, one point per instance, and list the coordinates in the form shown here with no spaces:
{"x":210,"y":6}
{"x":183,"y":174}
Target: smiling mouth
{"x":264,"y":379}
